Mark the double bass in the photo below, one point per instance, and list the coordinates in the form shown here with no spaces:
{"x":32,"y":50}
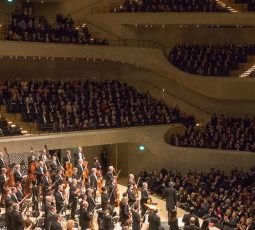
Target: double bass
{"x":10,"y":172}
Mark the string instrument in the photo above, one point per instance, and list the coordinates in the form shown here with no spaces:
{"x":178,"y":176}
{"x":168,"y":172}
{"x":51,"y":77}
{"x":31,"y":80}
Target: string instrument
{"x":100,"y":180}
{"x":85,"y":173}
{"x":117,"y":197}
{"x":69,"y":169}
{"x":10,"y":182}
{"x":31,"y":169}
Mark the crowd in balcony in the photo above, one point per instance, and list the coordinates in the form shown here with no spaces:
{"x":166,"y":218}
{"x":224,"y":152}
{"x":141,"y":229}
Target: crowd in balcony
{"x":250,"y":4}
{"x":24,"y":26}
{"x":210,"y":60}
{"x":227,"y":202}
{"x":79,"y":105}
{"x":170,"y":6}
{"x":220,"y":133}
{"x":7,"y":128}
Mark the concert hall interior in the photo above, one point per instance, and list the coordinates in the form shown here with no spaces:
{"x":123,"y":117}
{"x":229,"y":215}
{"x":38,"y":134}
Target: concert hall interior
{"x":127,"y":114}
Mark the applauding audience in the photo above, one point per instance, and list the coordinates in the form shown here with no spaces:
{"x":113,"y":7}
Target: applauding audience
{"x":79,"y":105}
{"x":227,"y":201}
{"x":171,"y":6}
{"x":220,"y":133}
{"x":210,"y":60}
{"x":25,"y":26}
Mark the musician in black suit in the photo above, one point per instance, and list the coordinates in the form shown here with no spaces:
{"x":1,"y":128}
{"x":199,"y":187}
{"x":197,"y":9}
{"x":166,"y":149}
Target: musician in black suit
{"x":14,"y":196}
{"x":80,"y":168}
{"x":46,"y":184}
{"x":90,"y":200}
{"x":56,"y":223}
{"x":112,"y":193}
{"x":54,"y":165}
{"x":8,"y":212}
{"x":109,"y":176}
{"x":136,"y":218}
{"x":154,"y":220}
{"x":187,"y":216}
{"x":85,"y":218}
{"x":40,"y":172}
{"x":17,"y":221}
{"x":144,"y":198}
{"x":8,"y":199}
{"x":104,"y":199}
{"x":2,"y":162}
{"x":78,"y":155}
{"x":93,"y":179}
{"x":18,"y":177}
{"x":59,"y":199}
{"x":192,"y":224}
{"x":170,"y":194}
{"x":131,"y":195}
{"x":49,"y":218}
{"x":124,"y":211}
{"x":19,"y":192}
{"x":3,"y":178}
{"x":73,"y":197}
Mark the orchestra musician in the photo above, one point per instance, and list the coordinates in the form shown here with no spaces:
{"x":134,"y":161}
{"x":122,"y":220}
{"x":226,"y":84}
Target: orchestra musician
{"x":8,"y":212}
{"x":85,"y":217}
{"x":78,"y":155}
{"x":90,"y":200}
{"x":3,"y":179}
{"x":2,"y":162}
{"x":124,"y":212}
{"x":93,"y":180}
{"x":74,"y":193}
{"x":144,"y":198}
{"x":18,"y":177}
{"x":19,"y":192}
{"x":59,"y":198}
{"x":136,"y":218}
{"x":104,"y":199}
{"x":112,"y":193}
{"x":40,"y":172}
{"x":80,"y":168}
{"x":154,"y":219}
{"x":131,"y":180}
{"x":132,"y":196}
{"x":96,"y":164}
{"x":109,"y":176}
{"x":14,"y":196}
{"x":17,"y":221}
{"x":8,"y":198}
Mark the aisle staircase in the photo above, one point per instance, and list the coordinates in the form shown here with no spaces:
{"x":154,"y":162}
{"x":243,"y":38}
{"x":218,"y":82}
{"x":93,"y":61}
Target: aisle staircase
{"x":238,"y":7}
{"x":28,"y":128}
{"x":244,"y":68}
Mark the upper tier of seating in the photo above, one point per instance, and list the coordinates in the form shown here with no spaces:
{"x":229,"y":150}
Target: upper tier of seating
{"x":79,"y":105}
{"x":24,"y":26}
{"x":170,"y":6}
{"x":210,"y":60}
{"x":250,"y":4}
{"x":220,"y":133}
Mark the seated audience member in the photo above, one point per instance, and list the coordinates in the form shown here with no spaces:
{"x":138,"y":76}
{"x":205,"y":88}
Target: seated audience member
{"x":191,"y":225}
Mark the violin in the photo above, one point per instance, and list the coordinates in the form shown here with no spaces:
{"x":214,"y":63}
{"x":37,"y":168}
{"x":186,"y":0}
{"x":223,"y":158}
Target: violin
{"x":100,"y":180}
{"x":85,"y":173}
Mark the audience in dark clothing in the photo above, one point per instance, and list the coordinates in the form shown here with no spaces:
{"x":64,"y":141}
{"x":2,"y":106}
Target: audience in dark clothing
{"x":210,"y":60}
{"x":171,"y":6}
{"x":227,"y":200}
{"x":7,"y":128}
{"x":79,"y":105}
{"x":250,"y":4}
{"x":24,"y":26}
{"x":220,"y":133}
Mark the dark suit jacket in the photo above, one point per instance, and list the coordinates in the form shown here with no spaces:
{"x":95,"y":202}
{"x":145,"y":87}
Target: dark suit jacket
{"x":80,"y":171}
{"x":2,"y":181}
{"x":93,"y":181}
{"x":2,"y":163}
{"x":16,"y":221}
{"x":17,"y":177}
{"x":59,"y":201}
{"x":91,"y":203}
{"x":49,"y":221}
{"x":15,"y":198}
{"x":191,"y":227}
{"x":154,"y":221}
{"x":136,"y":224}
{"x":19,"y":195}
{"x":144,"y":197}
{"x":55,"y":225}
{"x":108,"y":178}
{"x":104,"y":201}
{"x":186,"y":219}
{"x":84,"y":219}
{"x":173,"y":224}
{"x":8,"y":218}
{"x":171,"y":198}
{"x":8,"y":201}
